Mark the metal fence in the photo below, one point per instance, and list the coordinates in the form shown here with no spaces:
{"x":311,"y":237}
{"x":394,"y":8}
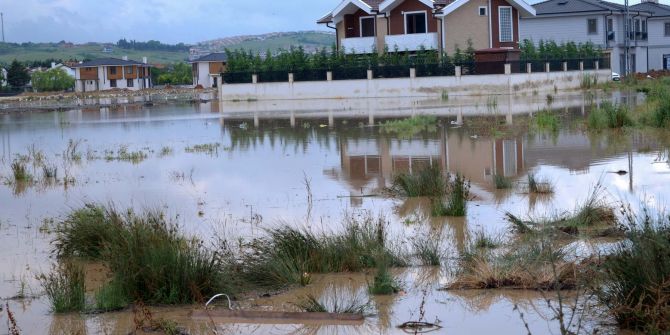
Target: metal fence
{"x":360,"y":71}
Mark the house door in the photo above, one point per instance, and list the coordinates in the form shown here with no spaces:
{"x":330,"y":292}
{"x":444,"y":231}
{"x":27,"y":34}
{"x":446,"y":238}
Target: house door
{"x":666,"y":62}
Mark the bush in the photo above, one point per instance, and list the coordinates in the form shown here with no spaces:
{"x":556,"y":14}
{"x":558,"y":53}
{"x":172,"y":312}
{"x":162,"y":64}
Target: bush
{"x":457,"y":198}
{"x":52,"y":80}
{"x":637,"y":276}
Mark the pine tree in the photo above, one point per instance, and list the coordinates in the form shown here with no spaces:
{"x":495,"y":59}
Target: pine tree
{"x":17,"y":75}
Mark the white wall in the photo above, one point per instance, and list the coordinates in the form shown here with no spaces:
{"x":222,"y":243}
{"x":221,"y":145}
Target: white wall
{"x":410,"y":87}
{"x":103,"y":83}
{"x":659,"y":44}
{"x":562,"y":29}
{"x":203,"y":75}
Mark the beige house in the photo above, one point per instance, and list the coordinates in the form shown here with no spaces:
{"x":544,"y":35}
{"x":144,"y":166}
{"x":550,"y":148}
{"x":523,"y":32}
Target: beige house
{"x":365,"y":26}
{"x":207,"y":69}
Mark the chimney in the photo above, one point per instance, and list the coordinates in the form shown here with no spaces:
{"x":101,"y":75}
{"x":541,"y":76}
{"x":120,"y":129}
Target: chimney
{"x":144,"y":60}
{"x":125,"y":58}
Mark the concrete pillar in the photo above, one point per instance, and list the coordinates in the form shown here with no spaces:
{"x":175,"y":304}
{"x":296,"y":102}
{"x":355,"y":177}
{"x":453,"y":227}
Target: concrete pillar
{"x":547,"y":68}
{"x":458,"y":71}
{"x":254,"y":79}
{"x":529,"y":67}
{"x":331,"y":119}
{"x":256,"y":121}
{"x":412,"y":72}
{"x":329,"y":76}
{"x":508,"y":68}
{"x":581,"y":65}
{"x":565,"y":66}
{"x":292,"y":119}
{"x":290,"y":77}
{"x":369,"y":74}
{"x":597,"y":65}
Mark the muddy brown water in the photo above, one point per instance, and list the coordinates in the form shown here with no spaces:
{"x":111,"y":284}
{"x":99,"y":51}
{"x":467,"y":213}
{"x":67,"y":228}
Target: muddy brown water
{"x":256,"y":178}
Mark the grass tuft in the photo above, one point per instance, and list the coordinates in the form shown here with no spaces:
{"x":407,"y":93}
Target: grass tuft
{"x":609,"y":116}
{"x":546,"y":120}
{"x":539,"y":186}
{"x":335,"y":301}
{"x":501,"y":182}
{"x":427,"y":182}
{"x":64,"y":287}
{"x":383,"y":282}
{"x":20,"y":171}
{"x":408,"y":128}
{"x":457,"y":199}
{"x":111,"y":297}
{"x":428,"y":250}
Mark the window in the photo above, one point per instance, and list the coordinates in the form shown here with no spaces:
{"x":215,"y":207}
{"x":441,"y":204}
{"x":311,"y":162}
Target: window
{"x":482,"y":10}
{"x":129,"y":83}
{"x":367,"y":26}
{"x":112,"y":83}
{"x":416,"y":23}
{"x":129,"y":70}
{"x":667,"y":28}
{"x":112,"y":70}
{"x":610,"y":25}
{"x":592,"y":26}
{"x":505,"y":23}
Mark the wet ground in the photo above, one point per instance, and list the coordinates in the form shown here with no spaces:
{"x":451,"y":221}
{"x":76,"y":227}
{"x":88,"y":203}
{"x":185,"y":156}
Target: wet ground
{"x":236,"y":169}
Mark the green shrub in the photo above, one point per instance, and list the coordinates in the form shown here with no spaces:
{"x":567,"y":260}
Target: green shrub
{"x":546,"y":120}
{"x":609,"y":116}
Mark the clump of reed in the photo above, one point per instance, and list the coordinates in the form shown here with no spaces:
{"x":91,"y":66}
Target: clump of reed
{"x":287,"y":256}
{"x":149,"y":259}
{"x":111,"y":297}
{"x":595,"y":217}
{"x":383,"y":282}
{"x":335,"y":301}
{"x":20,"y":171}
{"x":428,"y":182}
{"x":501,"y":182}
{"x":458,"y":194}
{"x":64,"y":287}
{"x":427,"y":250}
{"x":535,"y":264}
{"x":481,"y":240}
{"x":546,"y":120}
{"x":539,"y":186}
{"x":410,"y":127}
{"x":636,"y":276}
{"x":609,"y":116}
{"x":657,"y":107}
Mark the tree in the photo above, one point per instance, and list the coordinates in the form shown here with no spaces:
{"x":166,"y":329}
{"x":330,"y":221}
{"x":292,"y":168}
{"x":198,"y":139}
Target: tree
{"x":52,"y":80}
{"x":17,"y":75}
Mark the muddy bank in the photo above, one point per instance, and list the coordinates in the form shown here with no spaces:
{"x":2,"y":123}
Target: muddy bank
{"x":63,"y":101}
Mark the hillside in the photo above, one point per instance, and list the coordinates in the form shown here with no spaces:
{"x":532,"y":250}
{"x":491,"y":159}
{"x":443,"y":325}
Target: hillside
{"x":25,"y":52}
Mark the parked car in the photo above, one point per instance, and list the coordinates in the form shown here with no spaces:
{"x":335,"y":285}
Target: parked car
{"x":616,"y":76}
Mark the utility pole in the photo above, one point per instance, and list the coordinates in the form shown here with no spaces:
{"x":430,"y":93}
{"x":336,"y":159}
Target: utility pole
{"x":2,"y":21}
{"x":626,"y":40}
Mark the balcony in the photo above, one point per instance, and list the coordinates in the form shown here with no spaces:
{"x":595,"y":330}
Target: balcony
{"x":412,"y":42}
{"x":638,"y":35}
{"x":610,"y":35}
{"x":359,"y":45}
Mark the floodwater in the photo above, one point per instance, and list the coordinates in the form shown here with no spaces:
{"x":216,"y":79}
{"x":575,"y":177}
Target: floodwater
{"x":263,"y":157}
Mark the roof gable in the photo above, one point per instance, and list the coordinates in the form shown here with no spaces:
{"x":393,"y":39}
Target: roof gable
{"x":388,"y":5}
{"x":109,"y":62}
{"x":213,"y":57}
{"x":656,"y":9}
{"x":523,"y":7}
{"x":551,"y":7}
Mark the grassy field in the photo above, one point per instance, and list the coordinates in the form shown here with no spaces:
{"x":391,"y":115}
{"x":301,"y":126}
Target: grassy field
{"x":44,"y":51}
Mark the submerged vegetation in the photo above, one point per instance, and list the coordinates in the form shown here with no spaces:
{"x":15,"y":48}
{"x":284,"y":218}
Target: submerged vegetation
{"x":64,"y":287}
{"x":546,"y":120}
{"x":408,"y":128}
{"x":539,"y":185}
{"x":334,"y":300}
{"x":610,"y":116}
{"x":501,"y":182}
{"x":458,"y":194}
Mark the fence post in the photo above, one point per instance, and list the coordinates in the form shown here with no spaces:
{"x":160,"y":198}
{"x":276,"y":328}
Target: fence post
{"x":547,"y":68}
{"x":529,"y":67}
{"x":254,"y":79}
{"x":597,"y":65}
{"x":565,"y":66}
{"x":508,"y":68}
{"x":581,"y":65}
{"x":412,"y":72}
{"x":458,"y":71}
{"x":369,"y":74}
{"x":329,"y":76}
{"x":290,"y":77}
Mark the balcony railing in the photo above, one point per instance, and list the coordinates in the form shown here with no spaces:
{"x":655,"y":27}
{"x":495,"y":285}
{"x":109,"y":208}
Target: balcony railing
{"x":412,"y":42}
{"x":359,"y":45}
{"x":638,"y":35}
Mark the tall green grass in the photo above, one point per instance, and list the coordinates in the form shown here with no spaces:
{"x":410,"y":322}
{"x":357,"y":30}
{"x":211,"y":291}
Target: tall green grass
{"x":637,"y":275}
{"x":609,"y":116}
{"x":546,"y":120}
{"x":64,"y":287}
{"x":20,"y":171}
{"x":457,"y":198}
{"x":428,"y":182}
{"x":410,"y":127}
{"x":501,"y":182}
{"x":149,"y":259}
{"x":288,"y":255}
{"x":428,"y":250}
{"x":658,"y":104}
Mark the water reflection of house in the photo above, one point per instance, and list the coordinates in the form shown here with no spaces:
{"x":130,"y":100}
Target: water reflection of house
{"x":371,"y":163}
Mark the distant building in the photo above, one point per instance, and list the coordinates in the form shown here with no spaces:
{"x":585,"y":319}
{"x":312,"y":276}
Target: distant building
{"x":206,"y":69}
{"x":110,"y":73}
{"x":69,"y":70}
{"x":107,"y":50}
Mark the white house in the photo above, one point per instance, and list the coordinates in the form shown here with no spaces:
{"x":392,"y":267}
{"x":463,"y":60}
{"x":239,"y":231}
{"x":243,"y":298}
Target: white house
{"x":110,"y":73}
{"x":603,"y":23}
{"x":70,"y":71}
{"x":658,"y":28}
{"x":206,"y":69}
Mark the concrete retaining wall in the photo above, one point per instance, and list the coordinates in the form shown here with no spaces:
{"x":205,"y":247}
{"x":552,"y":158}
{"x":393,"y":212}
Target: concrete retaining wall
{"x":412,"y":87}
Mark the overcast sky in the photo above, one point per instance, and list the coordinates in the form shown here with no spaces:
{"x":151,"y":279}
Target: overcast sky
{"x":170,"y":21}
